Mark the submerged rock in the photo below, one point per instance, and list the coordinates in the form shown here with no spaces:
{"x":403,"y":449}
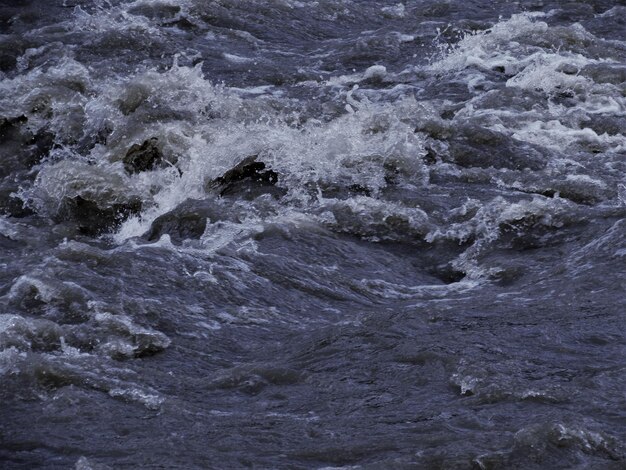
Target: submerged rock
{"x":144,"y":157}
{"x":8,"y":124}
{"x":605,"y":124}
{"x":187,"y":221}
{"x":476,"y":146}
{"x":92,"y":198}
{"x":91,"y":219}
{"x":605,"y":73}
{"x":21,"y":149}
{"x":250,"y":178}
{"x":127,"y":339}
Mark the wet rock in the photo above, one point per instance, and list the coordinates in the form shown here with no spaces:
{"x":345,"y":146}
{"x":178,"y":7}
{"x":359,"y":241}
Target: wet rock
{"x":10,"y":204}
{"x":476,"y":146}
{"x":9,"y":124}
{"x":156,"y":10}
{"x":187,"y":221}
{"x":375,"y":74}
{"x":580,"y":192}
{"x":7,"y":62}
{"x":249,"y":167}
{"x":127,"y":339}
{"x":574,"y":11}
{"x":20,"y":150}
{"x":190,"y":219}
{"x":581,"y":189}
{"x":91,"y":219}
{"x":91,"y":198}
{"x":514,"y":99}
{"x":336,"y":190}
{"x":437,"y":10}
{"x":144,"y":157}
{"x":601,"y":124}
{"x":568,"y":69}
{"x":447,"y":273}
{"x":253,"y":379}
{"x":250,"y":178}
{"x":605,"y":73}
{"x":28,"y":334}
{"x":435,"y":128}
{"x":359,"y":189}
{"x":186,"y":25}
{"x":133,"y":96}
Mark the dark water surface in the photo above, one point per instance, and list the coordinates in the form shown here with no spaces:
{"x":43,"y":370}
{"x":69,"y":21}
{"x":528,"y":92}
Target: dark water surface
{"x":312,"y":234}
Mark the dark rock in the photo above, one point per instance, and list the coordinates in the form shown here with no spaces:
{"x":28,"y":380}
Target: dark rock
{"x":431,"y":156}
{"x":600,"y":124}
{"x":249,"y":179}
{"x":187,"y":221}
{"x":7,"y":243}
{"x":447,"y":273}
{"x":437,"y":10}
{"x":144,"y":157}
{"x":360,"y":190}
{"x":184,"y":24}
{"x":20,"y":151}
{"x":436,"y":128}
{"x":20,"y":148}
{"x":476,"y":146}
{"x":249,"y":167}
{"x":568,"y":69}
{"x":10,"y":204}
{"x":605,"y":73}
{"x":132,"y":98}
{"x":92,"y":219}
{"x":252,"y":379}
{"x":8,"y":126}
{"x":336,"y":190}
{"x":156,"y":11}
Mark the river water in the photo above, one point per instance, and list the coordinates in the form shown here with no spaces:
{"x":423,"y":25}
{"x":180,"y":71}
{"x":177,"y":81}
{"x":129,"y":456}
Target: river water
{"x":312,"y":234}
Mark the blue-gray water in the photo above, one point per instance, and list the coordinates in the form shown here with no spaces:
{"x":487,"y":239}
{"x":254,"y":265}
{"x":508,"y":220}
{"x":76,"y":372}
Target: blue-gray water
{"x":312,"y":234}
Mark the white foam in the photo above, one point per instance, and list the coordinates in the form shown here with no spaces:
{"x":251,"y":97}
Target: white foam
{"x":555,"y":135}
{"x":540,"y":71}
{"x":486,"y":227}
{"x":236,"y":59}
{"x":520,"y":48}
{"x":389,"y":290}
{"x":493,"y":47}
{"x":351,"y":149}
{"x":112,"y":19}
{"x":149,"y":399}
{"x":375,"y":71}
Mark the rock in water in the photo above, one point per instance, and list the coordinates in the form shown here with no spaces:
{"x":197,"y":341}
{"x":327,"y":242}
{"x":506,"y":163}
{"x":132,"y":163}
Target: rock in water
{"x":188,"y":220}
{"x":476,"y":146}
{"x":21,"y":149}
{"x":249,"y":178}
{"x":93,"y":198}
{"x":250,"y":168}
{"x":91,"y":219}
{"x":143,"y":157}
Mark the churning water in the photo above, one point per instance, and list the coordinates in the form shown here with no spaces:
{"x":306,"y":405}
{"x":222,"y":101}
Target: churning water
{"x":312,"y":234}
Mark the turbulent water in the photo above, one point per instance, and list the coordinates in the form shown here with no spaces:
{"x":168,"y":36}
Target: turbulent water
{"x":312,"y":234}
